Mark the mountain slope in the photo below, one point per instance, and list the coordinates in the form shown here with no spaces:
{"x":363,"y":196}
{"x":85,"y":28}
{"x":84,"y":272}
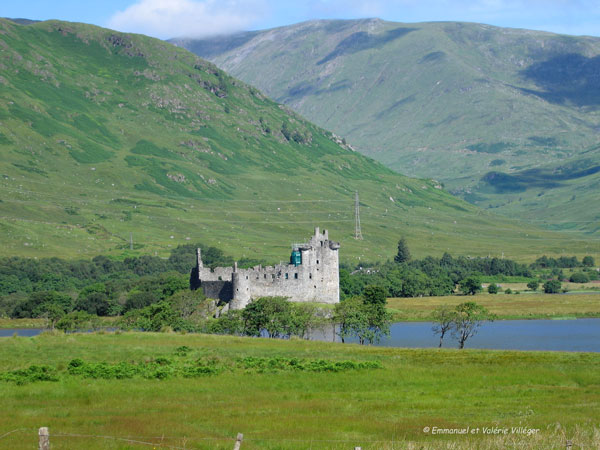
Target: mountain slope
{"x":108,"y":138}
{"x":450,"y":101}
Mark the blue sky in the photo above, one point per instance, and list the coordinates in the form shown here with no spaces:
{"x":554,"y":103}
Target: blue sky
{"x":171,"y":18}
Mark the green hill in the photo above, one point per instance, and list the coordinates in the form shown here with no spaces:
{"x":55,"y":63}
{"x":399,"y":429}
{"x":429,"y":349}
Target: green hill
{"x":106,"y":136}
{"x":458,"y":102}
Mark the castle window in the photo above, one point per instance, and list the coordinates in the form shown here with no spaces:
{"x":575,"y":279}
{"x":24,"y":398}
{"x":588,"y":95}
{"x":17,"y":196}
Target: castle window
{"x":286,"y":276}
{"x":246,"y":277}
{"x":296,"y":276}
{"x":273,"y":276}
{"x":310,"y":276}
{"x":317,"y":261}
{"x":265,"y":276}
{"x":220,"y":279}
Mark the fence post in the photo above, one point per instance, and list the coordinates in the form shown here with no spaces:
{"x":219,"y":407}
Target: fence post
{"x":238,"y":441}
{"x":44,"y":438}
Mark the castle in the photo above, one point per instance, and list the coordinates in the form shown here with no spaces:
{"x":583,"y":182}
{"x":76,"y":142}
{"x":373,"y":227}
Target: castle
{"x":311,"y":276}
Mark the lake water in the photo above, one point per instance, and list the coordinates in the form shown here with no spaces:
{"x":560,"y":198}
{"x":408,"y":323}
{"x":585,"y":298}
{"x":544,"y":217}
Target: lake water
{"x":581,"y":335}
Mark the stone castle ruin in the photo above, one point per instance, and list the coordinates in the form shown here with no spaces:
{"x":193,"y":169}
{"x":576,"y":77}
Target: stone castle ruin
{"x":312,"y":275}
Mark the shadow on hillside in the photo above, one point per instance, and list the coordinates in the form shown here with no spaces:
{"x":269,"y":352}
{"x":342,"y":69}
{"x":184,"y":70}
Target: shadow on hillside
{"x":538,"y":178}
{"x":567,"y":78}
{"x":362,"y":40}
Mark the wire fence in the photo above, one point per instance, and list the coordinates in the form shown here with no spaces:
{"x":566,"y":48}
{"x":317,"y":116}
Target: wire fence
{"x":59,"y":439}
{"x":25,"y":438}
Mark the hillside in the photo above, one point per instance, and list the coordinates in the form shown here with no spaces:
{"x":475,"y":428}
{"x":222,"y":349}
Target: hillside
{"x":108,"y":136}
{"x":458,"y":102}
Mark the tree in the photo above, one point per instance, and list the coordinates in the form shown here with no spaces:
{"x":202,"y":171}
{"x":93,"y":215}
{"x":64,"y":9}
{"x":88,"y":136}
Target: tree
{"x":186,"y":303}
{"x":403,"y":254}
{"x":470,"y":285}
{"x":588,"y":261}
{"x":552,"y":286}
{"x":53,"y":313}
{"x":493,"y":288}
{"x":378,"y":323}
{"x":306,"y":317}
{"x":374,"y":295}
{"x":443,"y":318}
{"x":272,"y":314}
{"x":350,"y":317}
{"x":468,"y":317}
{"x":533,"y":285}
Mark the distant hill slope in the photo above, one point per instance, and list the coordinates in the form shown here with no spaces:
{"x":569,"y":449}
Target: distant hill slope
{"x":450,"y":101}
{"x":108,"y":138}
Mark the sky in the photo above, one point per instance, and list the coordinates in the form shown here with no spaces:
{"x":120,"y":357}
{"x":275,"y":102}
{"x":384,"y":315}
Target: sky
{"x":200,"y":18}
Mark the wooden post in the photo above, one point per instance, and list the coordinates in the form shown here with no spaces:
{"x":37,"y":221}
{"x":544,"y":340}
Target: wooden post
{"x":44,"y":438}
{"x":569,"y":445}
{"x":238,"y":441}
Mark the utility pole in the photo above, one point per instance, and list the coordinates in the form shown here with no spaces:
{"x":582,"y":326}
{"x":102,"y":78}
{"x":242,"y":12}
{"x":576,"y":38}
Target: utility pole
{"x":357,"y":232}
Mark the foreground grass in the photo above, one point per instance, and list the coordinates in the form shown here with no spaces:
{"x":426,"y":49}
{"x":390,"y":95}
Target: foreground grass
{"x":514,"y":306}
{"x":375,"y":408}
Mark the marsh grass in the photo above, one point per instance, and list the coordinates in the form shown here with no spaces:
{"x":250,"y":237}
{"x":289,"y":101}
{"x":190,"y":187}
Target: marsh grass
{"x":383,"y":408}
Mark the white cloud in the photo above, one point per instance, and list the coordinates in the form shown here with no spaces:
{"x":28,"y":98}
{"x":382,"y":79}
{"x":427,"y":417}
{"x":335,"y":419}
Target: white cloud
{"x":189,"y":18}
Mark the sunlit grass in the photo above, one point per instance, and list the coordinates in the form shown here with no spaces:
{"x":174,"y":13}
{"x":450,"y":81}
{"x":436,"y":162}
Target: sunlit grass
{"x":505,"y":306}
{"x":372,"y":408}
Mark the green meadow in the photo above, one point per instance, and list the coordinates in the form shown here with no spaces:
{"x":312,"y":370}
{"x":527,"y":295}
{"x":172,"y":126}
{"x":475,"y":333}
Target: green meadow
{"x":291,"y":394}
{"x":504,"y":306}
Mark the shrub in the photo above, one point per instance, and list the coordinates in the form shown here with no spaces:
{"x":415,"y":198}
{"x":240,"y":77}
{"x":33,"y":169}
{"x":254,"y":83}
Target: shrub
{"x":31,"y":374}
{"x":533,"y":285}
{"x":579,"y":277}
{"x":493,"y":288}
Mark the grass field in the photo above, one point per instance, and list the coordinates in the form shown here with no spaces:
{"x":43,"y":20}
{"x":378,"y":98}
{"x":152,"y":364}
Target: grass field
{"x":386,"y":407}
{"x":513,"y":306}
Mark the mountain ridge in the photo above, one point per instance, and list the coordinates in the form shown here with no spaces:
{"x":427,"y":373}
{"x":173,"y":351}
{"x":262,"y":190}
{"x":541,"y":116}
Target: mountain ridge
{"x":123,"y":144}
{"x":446,"y":100}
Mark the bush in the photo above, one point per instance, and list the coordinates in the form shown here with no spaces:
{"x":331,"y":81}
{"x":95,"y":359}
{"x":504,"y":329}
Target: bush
{"x":78,"y":321}
{"x":508,"y":291}
{"x":579,"y":277}
{"x":493,"y":288}
{"x":31,"y":374}
{"x":533,"y":285}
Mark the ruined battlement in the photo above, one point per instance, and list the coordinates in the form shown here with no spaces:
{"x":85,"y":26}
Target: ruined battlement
{"x":311,"y":276}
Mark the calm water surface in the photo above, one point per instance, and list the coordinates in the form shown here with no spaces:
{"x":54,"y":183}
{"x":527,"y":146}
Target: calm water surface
{"x":581,"y":335}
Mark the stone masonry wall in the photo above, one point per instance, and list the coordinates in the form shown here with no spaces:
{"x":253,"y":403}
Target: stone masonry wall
{"x":316,"y":279}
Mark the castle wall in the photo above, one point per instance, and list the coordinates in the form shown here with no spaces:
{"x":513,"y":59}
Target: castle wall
{"x":316,"y":279}
{"x":219,"y":290}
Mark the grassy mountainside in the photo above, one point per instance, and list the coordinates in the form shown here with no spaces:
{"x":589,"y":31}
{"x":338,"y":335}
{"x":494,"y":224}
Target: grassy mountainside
{"x":106,"y":135}
{"x":450,"y":101}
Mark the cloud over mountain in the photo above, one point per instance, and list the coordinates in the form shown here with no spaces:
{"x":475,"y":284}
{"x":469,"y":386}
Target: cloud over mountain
{"x":168,"y":18}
